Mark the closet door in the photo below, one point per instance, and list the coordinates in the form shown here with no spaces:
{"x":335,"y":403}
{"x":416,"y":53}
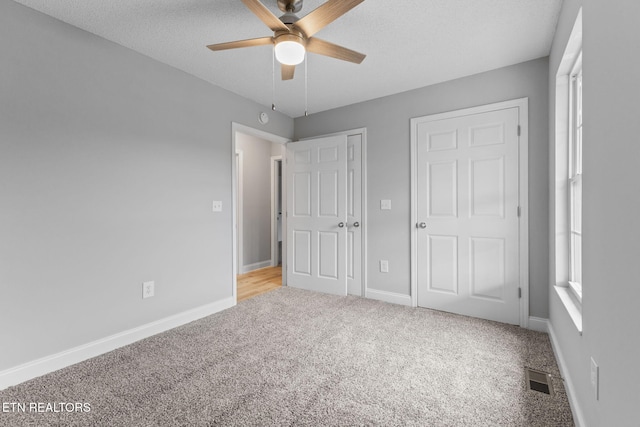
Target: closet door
{"x":467,"y":212}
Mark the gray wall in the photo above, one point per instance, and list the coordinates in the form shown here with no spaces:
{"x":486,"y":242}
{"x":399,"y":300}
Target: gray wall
{"x":256,"y":200}
{"x":611,"y":323}
{"x":388,"y":163}
{"x":109,"y":162}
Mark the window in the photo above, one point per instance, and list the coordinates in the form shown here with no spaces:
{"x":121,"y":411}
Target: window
{"x":567,"y":173}
{"x":575,"y":180}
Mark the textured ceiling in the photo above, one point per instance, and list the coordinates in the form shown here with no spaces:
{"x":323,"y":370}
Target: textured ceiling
{"x":409,"y":44}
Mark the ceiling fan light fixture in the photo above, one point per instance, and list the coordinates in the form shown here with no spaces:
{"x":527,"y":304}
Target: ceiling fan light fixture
{"x":293,"y":36}
{"x":289,"y":49}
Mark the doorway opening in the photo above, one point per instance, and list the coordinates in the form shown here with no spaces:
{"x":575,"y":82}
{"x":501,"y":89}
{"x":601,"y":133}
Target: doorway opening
{"x":258,"y":220}
{"x":256,"y":280}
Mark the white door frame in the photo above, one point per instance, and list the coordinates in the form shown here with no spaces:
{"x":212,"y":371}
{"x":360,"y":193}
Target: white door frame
{"x":239,"y":210}
{"x":523,"y":193}
{"x":275,"y":193}
{"x":364,"y":222}
{"x":240,"y":128}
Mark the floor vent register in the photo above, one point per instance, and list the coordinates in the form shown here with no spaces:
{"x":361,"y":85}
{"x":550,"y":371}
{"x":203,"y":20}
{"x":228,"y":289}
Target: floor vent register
{"x":539,"y":381}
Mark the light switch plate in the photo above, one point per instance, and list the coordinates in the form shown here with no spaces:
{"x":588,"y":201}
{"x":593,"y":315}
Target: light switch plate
{"x":385,"y":205}
{"x":148,"y":289}
{"x":384,"y":266}
{"x":217,"y":206}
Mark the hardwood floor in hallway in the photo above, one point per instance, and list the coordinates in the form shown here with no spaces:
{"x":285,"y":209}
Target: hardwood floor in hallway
{"x":258,"y":282}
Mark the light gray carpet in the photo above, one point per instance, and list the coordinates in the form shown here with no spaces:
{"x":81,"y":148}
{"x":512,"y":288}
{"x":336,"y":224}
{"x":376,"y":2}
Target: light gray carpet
{"x":297,"y":358}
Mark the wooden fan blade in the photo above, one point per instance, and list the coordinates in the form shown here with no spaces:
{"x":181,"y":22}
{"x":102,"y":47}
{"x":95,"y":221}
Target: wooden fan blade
{"x":324,"y":15}
{"x":241,"y":43}
{"x":323,"y":47}
{"x":287,"y":71}
{"x":265,"y":15}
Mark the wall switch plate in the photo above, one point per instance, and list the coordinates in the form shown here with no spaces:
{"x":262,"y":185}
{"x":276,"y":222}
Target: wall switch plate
{"x":217,"y":206}
{"x":385,"y":205}
{"x":384,"y":266}
{"x":595,"y":377}
{"x":148,"y":289}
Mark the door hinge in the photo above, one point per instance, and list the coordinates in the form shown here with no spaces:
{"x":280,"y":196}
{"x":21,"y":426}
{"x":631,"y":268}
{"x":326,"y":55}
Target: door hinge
{"x":518,"y":130}
{"x":519,"y":292}
{"x":518,"y":211}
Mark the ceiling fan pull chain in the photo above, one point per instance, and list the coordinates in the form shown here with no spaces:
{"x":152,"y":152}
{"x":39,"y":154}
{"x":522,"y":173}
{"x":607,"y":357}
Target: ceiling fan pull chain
{"x":273,"y":79}
{"x":306,"y":85}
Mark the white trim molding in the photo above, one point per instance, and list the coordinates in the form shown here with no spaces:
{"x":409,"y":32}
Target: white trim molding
{"x":538,"y":324}
{"x":573,"y":307}
{"x":574,"y":403}
{"x":391,"y":297}
{"x":239,"y":212}
{"x":523,"y":193}
{"x":255,"y":266}
{"x":47,"y":364}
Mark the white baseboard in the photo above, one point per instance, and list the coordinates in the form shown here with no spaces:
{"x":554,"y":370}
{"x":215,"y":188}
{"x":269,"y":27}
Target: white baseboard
{"x":576,"y":410}
{"x":538,"y":324}
{"x":255,"y":266}
{"x":42,"y":366}
{"x":391,"y":297}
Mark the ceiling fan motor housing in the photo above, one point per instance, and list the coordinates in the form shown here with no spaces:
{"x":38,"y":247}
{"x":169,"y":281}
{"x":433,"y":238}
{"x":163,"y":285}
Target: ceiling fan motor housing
{"x":292,"y":6}
{"x":289,"y":18}
{"x":292,"y":36}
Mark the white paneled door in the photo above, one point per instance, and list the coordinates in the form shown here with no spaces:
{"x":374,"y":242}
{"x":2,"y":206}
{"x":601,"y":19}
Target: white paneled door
{"x":317,"y":214}
{"x":467,"y":214}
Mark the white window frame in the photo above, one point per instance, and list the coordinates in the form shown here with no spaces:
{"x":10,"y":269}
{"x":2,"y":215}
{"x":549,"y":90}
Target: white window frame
{"x":561,"y":262}
{"x":575,"y":179}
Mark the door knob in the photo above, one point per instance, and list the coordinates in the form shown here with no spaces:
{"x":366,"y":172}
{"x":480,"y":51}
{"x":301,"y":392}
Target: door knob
{"x":421,"y":225}
{"x":356,"y":224}
{"x":341,"y":224}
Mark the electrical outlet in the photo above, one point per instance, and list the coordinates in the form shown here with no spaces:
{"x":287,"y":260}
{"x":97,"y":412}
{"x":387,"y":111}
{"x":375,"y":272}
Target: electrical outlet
{"x":384,"y":266}
{"x":148,"y":289}
{"x":217,"y":206}
{"x":595,"y":377}
{"x":385,"y":205}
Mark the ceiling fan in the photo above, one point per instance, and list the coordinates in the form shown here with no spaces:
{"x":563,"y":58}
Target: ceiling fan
{"x":292,"y":36}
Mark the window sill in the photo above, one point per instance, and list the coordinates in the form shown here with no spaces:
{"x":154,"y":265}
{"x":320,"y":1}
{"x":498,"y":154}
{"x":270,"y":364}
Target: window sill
{"x":573,"y":307}
{"x":576,"y":289}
